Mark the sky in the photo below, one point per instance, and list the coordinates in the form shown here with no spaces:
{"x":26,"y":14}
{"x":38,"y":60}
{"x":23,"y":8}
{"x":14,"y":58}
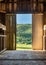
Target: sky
{"x":24,"y":18}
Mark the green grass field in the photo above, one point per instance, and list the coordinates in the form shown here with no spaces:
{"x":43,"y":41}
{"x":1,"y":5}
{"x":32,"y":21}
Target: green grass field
{"x":20,"y":46}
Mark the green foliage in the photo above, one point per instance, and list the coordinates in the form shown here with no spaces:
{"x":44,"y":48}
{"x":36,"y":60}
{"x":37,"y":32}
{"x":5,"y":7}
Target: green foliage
{"x":24,"y":33}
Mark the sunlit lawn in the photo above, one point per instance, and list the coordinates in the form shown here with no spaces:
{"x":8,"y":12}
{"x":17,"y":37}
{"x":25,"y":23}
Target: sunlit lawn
{"x":20,"y":46}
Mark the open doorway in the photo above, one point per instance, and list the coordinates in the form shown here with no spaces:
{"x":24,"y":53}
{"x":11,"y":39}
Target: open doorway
{"x":23,"y":31}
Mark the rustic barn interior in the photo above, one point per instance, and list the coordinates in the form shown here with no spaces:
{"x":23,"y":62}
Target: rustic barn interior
{"x":8,"y":11}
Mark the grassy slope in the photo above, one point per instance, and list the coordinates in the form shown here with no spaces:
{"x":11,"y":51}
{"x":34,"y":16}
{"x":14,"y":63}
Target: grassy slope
{"x":24,"y":36}
{"x":27,"y":28}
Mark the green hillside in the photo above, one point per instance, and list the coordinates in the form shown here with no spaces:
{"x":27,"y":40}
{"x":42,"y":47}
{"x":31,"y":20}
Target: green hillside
{"x":24,"y":34}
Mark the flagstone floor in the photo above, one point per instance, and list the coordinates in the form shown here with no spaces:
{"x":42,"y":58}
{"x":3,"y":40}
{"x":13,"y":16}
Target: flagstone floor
{"x":23,"y":57}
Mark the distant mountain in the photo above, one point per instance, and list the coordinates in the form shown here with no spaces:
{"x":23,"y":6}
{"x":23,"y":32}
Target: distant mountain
{"x":24,"y":33}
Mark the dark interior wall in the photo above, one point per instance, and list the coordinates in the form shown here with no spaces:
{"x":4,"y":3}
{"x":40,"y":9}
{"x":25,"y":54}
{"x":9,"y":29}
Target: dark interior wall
{"x":44,"y":5}
{"x":21,"y":6}
{"x":1,"y":31}
{"x":2,"y":18}
{"x":44,"y":19}
{"x":1,"y":40}
{"x":2,"y":21}
{"x":44,"y":16}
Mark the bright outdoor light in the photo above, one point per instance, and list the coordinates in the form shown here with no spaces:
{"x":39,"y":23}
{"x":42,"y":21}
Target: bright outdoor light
{"x":44,"y":27}
{"x":44,"y":37}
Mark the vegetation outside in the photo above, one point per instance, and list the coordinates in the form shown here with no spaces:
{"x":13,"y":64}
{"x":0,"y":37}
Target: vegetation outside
{"x":23,"y":36}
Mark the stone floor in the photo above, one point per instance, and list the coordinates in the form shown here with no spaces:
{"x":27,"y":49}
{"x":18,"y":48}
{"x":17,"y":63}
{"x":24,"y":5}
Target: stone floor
{"x":23,"y":57}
